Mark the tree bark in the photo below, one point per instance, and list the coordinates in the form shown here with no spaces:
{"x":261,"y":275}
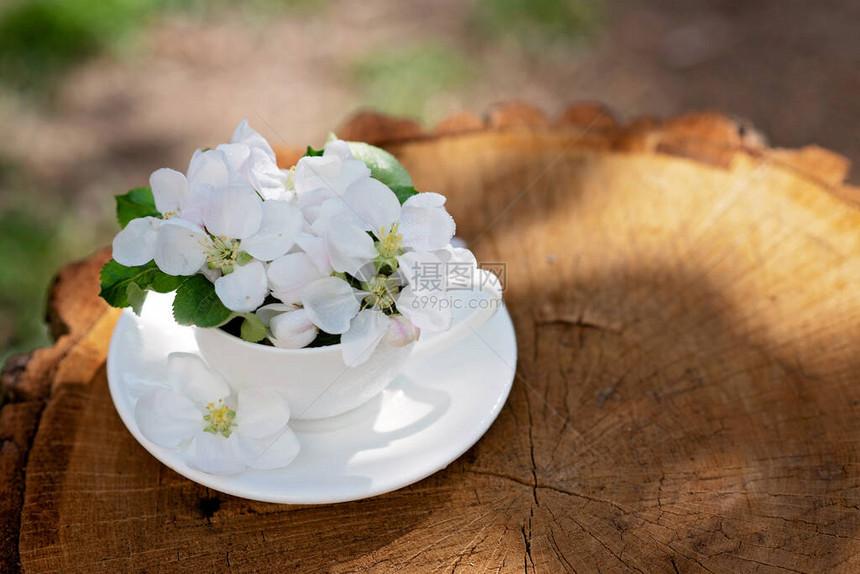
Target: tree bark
{"x":687,"y":304}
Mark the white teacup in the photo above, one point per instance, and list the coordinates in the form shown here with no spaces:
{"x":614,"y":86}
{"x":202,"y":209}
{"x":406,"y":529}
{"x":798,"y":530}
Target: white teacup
{"x":316,"y":381}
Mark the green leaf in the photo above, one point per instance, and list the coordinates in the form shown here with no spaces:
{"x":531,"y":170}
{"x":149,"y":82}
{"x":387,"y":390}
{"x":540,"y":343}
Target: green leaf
{"x":404,"y":192}
{"x":383,"y":166}
{"x":253,"y":329}
{"x":136,"y":297}
{"x":136,"y":203}
{"x":196,"y":303}
{"x":116,"y":278}
{"x":311,"y":152}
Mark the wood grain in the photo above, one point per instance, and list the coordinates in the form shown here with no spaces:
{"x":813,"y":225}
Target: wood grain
{"x":688,"y":314}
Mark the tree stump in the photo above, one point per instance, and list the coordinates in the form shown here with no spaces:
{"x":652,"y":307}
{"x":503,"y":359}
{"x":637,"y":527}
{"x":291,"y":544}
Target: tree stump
{"x":687,"y":303}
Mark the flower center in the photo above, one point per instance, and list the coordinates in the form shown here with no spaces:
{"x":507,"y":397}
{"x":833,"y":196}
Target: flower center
{"x":222,"y":253}
{"x":390,"y":242}
{"x":220,"y":418}
{"x":381,"y":291}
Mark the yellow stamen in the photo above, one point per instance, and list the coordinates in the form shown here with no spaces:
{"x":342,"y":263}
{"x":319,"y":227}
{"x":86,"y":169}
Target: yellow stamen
{"x":390,"y":242}
{"x":221,"y":252}
{"x":381,"y":291}
{"x":220,"y":418}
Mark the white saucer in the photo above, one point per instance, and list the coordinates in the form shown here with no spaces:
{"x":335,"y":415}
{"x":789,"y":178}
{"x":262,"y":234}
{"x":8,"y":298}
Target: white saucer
{"x":426,"y":418}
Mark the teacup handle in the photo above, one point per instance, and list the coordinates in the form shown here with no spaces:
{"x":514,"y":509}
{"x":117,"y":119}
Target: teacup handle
{"x":490,"y":285}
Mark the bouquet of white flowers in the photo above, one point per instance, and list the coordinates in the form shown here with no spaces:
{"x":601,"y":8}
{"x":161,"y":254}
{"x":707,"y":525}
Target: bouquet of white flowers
{"x":339,"y":249}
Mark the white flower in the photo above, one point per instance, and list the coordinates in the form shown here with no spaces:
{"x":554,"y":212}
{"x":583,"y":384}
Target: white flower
{"x":372,"y":327}
{"x":195,"y":412}
{"x":261,"y":168}
{"x":240,"y":231}
{"x":407,"y":238}
{"x":362,"y":316}
{"x":174,"y":198}
{"x":420,"y":224}
{"x":203,"y":198}
{"x":338,"y":250}
{"x":288,"y":326}
{"x":247,"y":159}
{"x":319,"y":178}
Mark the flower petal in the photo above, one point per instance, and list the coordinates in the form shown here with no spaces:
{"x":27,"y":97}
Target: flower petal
{"x":244,"y":289}
{"x":292,"y":330}
{"x":139,"y":386}
{"x":247,"y":135}
{"x":372,"y":203}
{"x":425,"y":200}
{"x":169,"y":189}
{"x":213,"y":453}
{"x":267,"y":312}
{"x":365,"y":332}
{"x":328,"y":171}
{"x":339,"y":149}
{"x":269,"y":453}
{"x":460,"y":266}
{"x":424,"y":223}
{"x":265,"y":176}
{"x":430,"y":310}
{"x":311,"y":202}
{"x":401,"y":332}
{"x":180,"y":248}
{"x":317,"y":173}
{"x":289,"y":274}
{"x":331,"y":304}
{"x":260,"y":412}
{"x":195,"y":208}
{"x":332,"y":210}
{"x":189,"y":376}
{"x":236,"y":158}
{"x":234,"y":211}
{"x":316,"y":249}
{"x":135,"y":245}
{"x":425,"y":272}
{"x":167,"y":418}
{"x":208,"y":167}
{"x":349,"y":246}
{"x":279,"y":227}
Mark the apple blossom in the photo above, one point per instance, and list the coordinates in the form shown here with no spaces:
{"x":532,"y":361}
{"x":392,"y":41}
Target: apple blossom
{"x":420,"y":224}
{"x":345,"y":245}
{"x":240,"y":231}
{"x":319,"y":178}
{"x":216,"y":431}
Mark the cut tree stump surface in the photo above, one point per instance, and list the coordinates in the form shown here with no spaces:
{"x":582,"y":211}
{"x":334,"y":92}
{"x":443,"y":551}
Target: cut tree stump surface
{"x":687,"y":304}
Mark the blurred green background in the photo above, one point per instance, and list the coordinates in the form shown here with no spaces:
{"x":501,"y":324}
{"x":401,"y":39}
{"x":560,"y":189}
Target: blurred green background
{"x":96,"y":95}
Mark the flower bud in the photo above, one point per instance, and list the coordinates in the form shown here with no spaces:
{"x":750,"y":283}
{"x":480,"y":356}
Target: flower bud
{"x":292,"y":329}
{"x":401,"y":331}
